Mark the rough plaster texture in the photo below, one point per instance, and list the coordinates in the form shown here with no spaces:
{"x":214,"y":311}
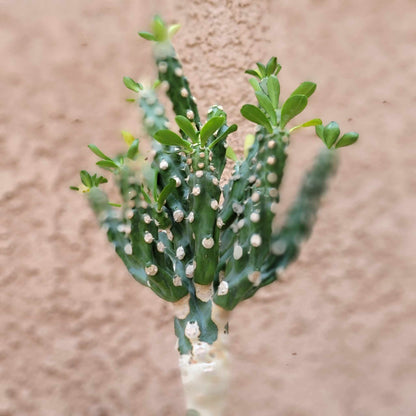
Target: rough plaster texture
{"x":79,"y":337}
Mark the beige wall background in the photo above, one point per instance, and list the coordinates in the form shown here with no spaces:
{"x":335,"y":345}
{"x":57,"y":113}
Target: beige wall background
{"x":78,"y":336}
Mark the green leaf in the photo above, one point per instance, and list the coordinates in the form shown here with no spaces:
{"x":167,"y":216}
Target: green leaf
{"x":265,"y":102}
{"x":107,"y":164}
{"x":145,"y":195}
{"x":293,"y":106}
{"x":248,"y":142}
{"x":165,"y":193}
{"x":131,"y":100}
{"x":331,"y":133}
{"x":230,"y":130}
{"x":231,"y":154}
{"x":347,"y":139}
{"x":271,"y":66}
{"x":252,"y":72}
{"x":86,"y":178}
{"x":306,"y":88}
{"x":186,"y":126}
{"x":255,"y":84}
{"x":113,"y":204}
{"x":263,"y":85}
{"x":147,"y":35}
{"x":131,"y":84}
{"x":319,"y":130}
{"x":98,"y":152}
{"x":209,"y":128}
{"x":128,"y":137}
{"x":74,"y":188}
{"x":100,"y":180}
{"x":313,"y":122}
{"x":159,"y":29}
{"x":173,"y":29}
{"x":133,"y":149}
{"x":170,"y":138}
{"x":262,"y":69}
{"x":273,"y":90}
{"x":254,"y":114}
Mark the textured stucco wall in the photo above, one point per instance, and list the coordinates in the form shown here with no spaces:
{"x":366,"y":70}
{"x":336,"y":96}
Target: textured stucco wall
{"x":79,"y":337}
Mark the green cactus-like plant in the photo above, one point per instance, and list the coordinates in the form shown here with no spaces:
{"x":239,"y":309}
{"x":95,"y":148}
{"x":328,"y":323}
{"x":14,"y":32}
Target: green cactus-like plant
{"x":199,"y":245}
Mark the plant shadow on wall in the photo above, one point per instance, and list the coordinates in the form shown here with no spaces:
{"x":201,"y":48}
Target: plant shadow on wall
{"x":172,"y":232}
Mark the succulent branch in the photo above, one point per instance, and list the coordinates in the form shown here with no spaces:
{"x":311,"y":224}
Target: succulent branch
{"x":203,"y":247}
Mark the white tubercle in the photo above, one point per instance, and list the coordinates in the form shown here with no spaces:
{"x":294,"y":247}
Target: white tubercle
{"x":255,"y":240}
{"x":271,"y":144}
{"x":214,"y":204}
{"x":196,"y":190}
{"x":255,"y":197}
{"x":204,"y":292}
{"x":272,"y":177}
{"x":177,"y":281}
{"x":159,"y":111}
{"x":129,"y":214}
{"x":178,"y":181}
{"x":127,"y":228}
{"x":163,"y":67}
{"x":178,"y":215}
{"x":237,"y":208}
{"x":148,"y":237}
{"x":279,"y":247}
{"x":220,"y":222}
{"x":252,"y":178}
{"x":201,"y":165}
{"x":255,"y":217}
{"x":178,"y":71}
{"x":241,"y":223}
{"x":222,"y":288}
{"x":208,"y":242}
{"x":192,"y":330}
{"x":151,"y":270}
{"x":255,"y":278}
{"x":189,"y":271}
{"x":163,"y":165}
{"x":190,"y":114}
{"x":215,"y":181}
{"x":199,"y":173}
{"x":237,"y":252}
{"x":128,"y":249}
{"x":160,"y":247}
{"x":180,"y":253}
{"x":191,"y":217}
{"x":273,"y":193}
{"x":184,"y":92}
{"x":271,"y":160}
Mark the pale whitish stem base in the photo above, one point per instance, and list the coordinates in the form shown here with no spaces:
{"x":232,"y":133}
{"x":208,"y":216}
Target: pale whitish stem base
{"x":205,"y":377}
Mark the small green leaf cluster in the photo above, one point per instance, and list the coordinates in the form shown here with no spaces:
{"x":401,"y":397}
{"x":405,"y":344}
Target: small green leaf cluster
{"x":160,"y":32}
{"x":270,"y":115}
{"x":329,"y":134}
{"x":89,"y":181}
